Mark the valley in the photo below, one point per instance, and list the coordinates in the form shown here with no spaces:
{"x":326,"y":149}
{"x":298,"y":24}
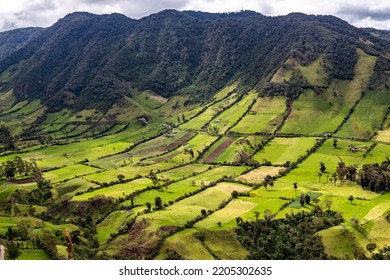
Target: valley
{"x":159,"y":177}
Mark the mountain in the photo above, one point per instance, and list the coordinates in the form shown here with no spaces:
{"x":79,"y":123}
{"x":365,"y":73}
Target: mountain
{"x":88,"y":61}
{"x":14,"y":40}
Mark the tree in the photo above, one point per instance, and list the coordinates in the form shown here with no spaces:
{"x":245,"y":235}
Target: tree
{"x":148,"y":206}
{"x":234,"y":194}
{"x":256,"y":214}
{"x":307,"y":199}
{"x":121,"y":177}
{"x":319,"y":174}
{"x":295,"y":185}
{"x":322,"y":167}
{"x":371,"y":247}
{"x":6,"y":138}
{"x":328,"y":204}
{"x":203,"y":212}
{"x":302,"y":201}
{"x":335,"y":143}
{"x":13,"y":250}
{"x":158,"y":202}
{"x":350,"y":198}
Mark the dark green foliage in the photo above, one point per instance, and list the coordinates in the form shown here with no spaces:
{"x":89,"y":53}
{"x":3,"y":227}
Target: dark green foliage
{"x":87,"y":61}
{"x":383,"y":254}
{"x":12,"y":250}
{"x":375,"y":177}
{"x":293,"y":237}
{"x":6,"y":138}
{"x":380,"y":79}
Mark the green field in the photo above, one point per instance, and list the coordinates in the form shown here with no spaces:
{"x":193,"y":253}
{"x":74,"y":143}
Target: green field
{"x":264,"y":116}
{"x":327,"y":109}
{"x":367,"y":116}
{"x":282,"y":150}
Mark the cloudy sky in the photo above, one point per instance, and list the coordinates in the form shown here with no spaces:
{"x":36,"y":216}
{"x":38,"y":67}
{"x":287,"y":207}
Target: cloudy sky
{"x":23,"y":13}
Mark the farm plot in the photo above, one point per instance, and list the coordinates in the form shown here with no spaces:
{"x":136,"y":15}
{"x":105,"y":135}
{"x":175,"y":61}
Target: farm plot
{"x":73,"y":186}
{"x":161,"y":144}
{"x":6,"y":189}
{"x":264,"y":116}
{"x":69,"y":172}
{"x":199,"y":121}
{"x":258,"y":175}
{"x":191,"y":184}
{"x":186,"y":245}
{"x":281,"y":150}
{"x":118,"y":190}
{"x":327,"y":110}
{"x":183,"y":172}
{"x":187,"y":209}
{"x":188,"y":151}
{"x":241,"y":148}
{"x":111,"y":225}
{"x":225,"y":120}
{"x":378,"y":154}
{"x":217,"y":149}
{"x":367,"y":116}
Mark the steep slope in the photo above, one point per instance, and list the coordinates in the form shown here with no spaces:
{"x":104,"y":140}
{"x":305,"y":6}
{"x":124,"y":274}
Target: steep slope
{"x":87,"y":61}
{"x":14,"y":40}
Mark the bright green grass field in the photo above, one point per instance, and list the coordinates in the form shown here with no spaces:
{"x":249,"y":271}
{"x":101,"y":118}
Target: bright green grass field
{"x":111,"y":224}
{"x":198,"y":122}
{"x":33,"y":254}
{"x":229,"y":117}
{"x":264,"y":116}
{"x":69,"y":172}
{"x":6,"y":190}
{"x":73,"y":186}
{"x":378,"y":154}
{"x":175,"y":190}
{"x":187,"y":209}
{"x":281,"y":150}
{"x":368,"y":115}
{"x":316,"y":114}
{"x":116,"y":191}
{"x":186,"y":245}
{"x":183,"y":172}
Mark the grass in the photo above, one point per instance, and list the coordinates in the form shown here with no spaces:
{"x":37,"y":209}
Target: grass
{"x":183,"y":172}
{"x":187,"y":209}
{"x":178,"y":189}
{"x":232,"y":152}
{"x":186,"y":245}
{"x":226,"y":216}
{"x":33,"y":254}
{"x":111,"y":225}
{"x":150,"y":100}
{"x":7,"y":189}
{"x":367,"y":116}
{"x":281,"y":150}
{"x":264,"y":116}
{"x":225,"y":120}
{"x":199,"y":121}
{"x":116,"y":191}
{"x":69,"y":172}
{"x":327,"y":109}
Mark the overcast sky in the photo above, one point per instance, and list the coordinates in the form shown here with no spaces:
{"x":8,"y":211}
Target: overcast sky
{"x":25,"y":13}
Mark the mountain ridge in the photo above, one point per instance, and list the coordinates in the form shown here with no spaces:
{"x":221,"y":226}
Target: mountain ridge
{"x":89,"y":59}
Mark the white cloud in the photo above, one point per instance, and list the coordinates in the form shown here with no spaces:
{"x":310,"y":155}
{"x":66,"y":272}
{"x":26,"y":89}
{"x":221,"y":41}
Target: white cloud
{"x":22,"y":13}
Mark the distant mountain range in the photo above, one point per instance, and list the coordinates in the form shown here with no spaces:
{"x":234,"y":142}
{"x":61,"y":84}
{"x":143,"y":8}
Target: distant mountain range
{"x":89,"y":61}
